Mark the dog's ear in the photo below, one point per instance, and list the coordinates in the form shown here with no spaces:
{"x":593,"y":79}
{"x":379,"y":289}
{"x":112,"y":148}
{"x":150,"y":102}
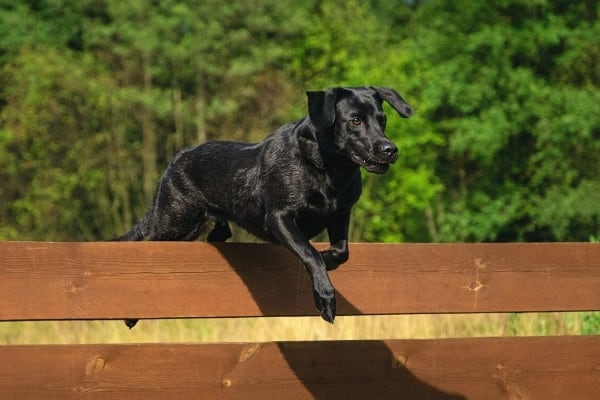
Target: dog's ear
{"x":321,"y":108}
{"x":395,"y":100}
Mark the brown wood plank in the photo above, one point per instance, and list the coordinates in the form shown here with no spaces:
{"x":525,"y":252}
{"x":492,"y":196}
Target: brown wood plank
{"x":486,"y":368}
{"x":164,"y":280}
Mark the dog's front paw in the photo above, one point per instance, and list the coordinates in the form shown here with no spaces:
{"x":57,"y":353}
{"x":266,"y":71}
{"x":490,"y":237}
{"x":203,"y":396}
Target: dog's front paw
{"x":326,"y":305}
{"x":331,"y":261}
{"x":334,"y":258}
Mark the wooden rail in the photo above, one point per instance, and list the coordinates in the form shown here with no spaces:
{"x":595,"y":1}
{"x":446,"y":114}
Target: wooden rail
{"x":65,"y":281}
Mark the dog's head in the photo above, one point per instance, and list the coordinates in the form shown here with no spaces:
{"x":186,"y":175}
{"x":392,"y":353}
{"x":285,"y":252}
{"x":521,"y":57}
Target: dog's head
{"x":351,"y":122}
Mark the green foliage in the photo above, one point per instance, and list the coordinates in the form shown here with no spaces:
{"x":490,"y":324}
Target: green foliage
{"x":54,"y":127}
{"x":521,"y":133}
{"x":96,"y":97}
{"x":591,"y":324}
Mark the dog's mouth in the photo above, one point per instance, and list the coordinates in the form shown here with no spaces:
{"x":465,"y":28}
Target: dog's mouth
{"x":370,"y":165}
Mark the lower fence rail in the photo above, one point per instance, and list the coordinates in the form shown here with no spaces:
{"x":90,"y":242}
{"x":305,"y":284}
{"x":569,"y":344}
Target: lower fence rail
{"x":565,"y":367}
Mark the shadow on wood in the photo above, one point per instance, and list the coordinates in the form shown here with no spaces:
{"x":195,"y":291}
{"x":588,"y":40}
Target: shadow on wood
{"x":348,"y":370}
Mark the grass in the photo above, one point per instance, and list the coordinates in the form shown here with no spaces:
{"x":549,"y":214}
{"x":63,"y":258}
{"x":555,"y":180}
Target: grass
{"x":300,"y":328}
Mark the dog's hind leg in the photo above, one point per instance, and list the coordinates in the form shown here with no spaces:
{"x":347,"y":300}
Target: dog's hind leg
{"x":221,"y":232}
{"x":136,"y":233}
{"x":191,"y":235}
{"x":190,"y":224}
{"x":197,"y":230}
{"x":130,"y":323}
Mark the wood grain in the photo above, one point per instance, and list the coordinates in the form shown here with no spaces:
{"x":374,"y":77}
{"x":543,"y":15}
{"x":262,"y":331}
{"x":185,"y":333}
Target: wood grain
{"x":492,"y":368}
{"x":45,"y":281}
{"x":164,"y":280}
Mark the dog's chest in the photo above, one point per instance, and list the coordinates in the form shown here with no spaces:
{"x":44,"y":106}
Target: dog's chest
{"x":329,"y":198}
{"x":322,"y":205}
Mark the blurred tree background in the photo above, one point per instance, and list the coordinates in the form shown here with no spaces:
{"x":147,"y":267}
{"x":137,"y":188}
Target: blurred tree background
{"x":97,"y":96}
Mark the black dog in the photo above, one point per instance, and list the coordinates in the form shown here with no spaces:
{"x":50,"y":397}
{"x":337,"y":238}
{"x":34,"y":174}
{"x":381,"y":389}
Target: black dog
{"x":300,"y":180}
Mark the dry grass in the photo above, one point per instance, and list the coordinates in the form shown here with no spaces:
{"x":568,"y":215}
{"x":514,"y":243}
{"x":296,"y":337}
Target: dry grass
{"x":300,"y":328}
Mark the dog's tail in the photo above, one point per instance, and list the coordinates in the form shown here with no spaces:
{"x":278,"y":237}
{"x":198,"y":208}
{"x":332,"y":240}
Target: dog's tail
{"x":135,"y":234}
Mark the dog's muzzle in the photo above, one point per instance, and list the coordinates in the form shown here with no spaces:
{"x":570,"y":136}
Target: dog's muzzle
{"x":384,"y":154}
{"x":389,"y":151}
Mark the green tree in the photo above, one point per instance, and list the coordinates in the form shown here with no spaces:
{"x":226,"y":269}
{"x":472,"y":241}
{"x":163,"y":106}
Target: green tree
{"x":521,"y":136}
{"x":54,"y":125}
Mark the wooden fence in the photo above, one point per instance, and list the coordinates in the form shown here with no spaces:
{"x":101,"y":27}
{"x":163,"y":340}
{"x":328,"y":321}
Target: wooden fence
{"x":70,"y":281}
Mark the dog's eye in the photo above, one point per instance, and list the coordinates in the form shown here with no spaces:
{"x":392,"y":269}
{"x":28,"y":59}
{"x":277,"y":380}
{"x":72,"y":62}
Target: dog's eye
{"x":356,"y":121}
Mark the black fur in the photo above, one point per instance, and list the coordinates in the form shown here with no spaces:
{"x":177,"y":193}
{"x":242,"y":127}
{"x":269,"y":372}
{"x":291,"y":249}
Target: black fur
{"x":302,"y":179}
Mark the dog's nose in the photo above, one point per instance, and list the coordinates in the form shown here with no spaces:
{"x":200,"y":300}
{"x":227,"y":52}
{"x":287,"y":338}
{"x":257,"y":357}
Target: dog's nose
{"x":389,"y":149}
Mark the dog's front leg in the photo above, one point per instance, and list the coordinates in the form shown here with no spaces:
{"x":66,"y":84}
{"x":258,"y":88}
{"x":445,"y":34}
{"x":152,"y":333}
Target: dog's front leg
{"x":338,"y":238}
{"x":287,"y":233}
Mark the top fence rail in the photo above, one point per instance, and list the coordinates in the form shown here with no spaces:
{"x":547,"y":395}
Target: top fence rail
{"x":58,"y":281}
